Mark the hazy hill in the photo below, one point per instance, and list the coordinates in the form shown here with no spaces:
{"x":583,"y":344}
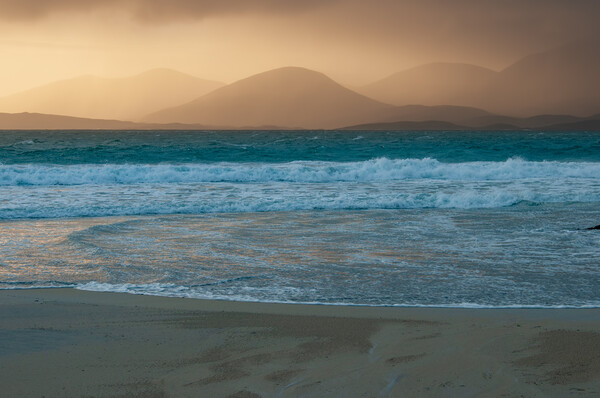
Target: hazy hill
{"x":431,"y":84}
{"x":526,"y":122}
{"x":563,"y":80}
{"x":127,"y":98}
{"x":37,"y":121}
{"x":446,"y":113}
{"x":494,"y":123}
{"x":406,"y":126}
{"x":589,"y":124}
{"x":297,"y":98}
{"x":292,"y":97}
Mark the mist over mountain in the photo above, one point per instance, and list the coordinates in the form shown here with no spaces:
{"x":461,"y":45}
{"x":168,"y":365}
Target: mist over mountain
{"x":431,"y":84}
{"x":128,"y":98}
{"x":562,"y":80}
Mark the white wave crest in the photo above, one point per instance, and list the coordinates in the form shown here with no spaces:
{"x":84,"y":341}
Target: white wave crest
{"x":376,"y":170}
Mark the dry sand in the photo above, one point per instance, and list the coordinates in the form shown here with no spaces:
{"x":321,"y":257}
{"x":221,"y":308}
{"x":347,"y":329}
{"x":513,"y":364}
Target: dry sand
{"x":68,"y":343}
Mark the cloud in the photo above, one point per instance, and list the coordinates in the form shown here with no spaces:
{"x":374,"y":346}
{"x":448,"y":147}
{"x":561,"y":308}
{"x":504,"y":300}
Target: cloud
{"x":154,"y":10}
{"x":395,"y":33}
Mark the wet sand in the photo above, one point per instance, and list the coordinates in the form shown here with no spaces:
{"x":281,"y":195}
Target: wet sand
{"x":69,"y":343}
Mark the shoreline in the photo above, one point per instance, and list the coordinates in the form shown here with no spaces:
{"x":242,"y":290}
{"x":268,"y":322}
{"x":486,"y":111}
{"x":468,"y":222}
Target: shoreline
{"x":73,"y":343}
{"x":461,"y":306}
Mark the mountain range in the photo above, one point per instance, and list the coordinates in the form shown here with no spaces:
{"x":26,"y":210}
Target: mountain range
{"x":558,"y":87}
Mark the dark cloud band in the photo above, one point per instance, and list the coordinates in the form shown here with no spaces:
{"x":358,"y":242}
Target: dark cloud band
{"x":154,"y":10}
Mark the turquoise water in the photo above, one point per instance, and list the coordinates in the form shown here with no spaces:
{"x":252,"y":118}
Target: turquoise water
{"x":152,"y":147}
{"x":375,"y":218}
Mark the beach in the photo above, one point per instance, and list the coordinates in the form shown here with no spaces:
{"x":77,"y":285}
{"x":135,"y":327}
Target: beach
{"x":299,"y":264}
{"x":71,"y":343}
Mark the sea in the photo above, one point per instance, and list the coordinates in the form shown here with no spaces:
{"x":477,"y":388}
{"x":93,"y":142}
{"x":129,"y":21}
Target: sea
{"x":443,"y":219}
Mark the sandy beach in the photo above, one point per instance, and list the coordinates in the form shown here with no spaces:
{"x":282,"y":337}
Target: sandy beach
{"x":69,"y":343}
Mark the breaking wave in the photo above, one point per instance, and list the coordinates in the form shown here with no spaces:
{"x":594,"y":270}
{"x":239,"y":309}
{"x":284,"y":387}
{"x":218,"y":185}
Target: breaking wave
{"x":375,"y":170}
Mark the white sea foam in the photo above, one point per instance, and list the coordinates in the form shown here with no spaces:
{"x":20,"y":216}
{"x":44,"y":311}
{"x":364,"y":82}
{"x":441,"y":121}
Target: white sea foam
{"x":376,"y":170}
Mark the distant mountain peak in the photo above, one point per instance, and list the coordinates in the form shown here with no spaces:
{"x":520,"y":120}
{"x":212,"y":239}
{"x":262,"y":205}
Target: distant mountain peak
{"x":289,"y":74}
{"x":296,"y":97}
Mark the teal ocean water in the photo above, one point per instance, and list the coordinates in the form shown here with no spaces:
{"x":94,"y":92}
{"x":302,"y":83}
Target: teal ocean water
{"x":490,"y":219}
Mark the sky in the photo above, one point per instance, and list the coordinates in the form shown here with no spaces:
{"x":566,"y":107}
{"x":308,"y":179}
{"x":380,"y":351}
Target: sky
{"x":353,"y":41}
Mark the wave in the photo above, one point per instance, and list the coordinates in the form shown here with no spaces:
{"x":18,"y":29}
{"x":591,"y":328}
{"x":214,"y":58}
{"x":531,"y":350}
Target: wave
{"x":375,"y":170}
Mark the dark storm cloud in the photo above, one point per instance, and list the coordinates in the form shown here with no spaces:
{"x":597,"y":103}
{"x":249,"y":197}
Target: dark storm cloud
{"x":380,"y":15}
{"x":374,"y":17}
